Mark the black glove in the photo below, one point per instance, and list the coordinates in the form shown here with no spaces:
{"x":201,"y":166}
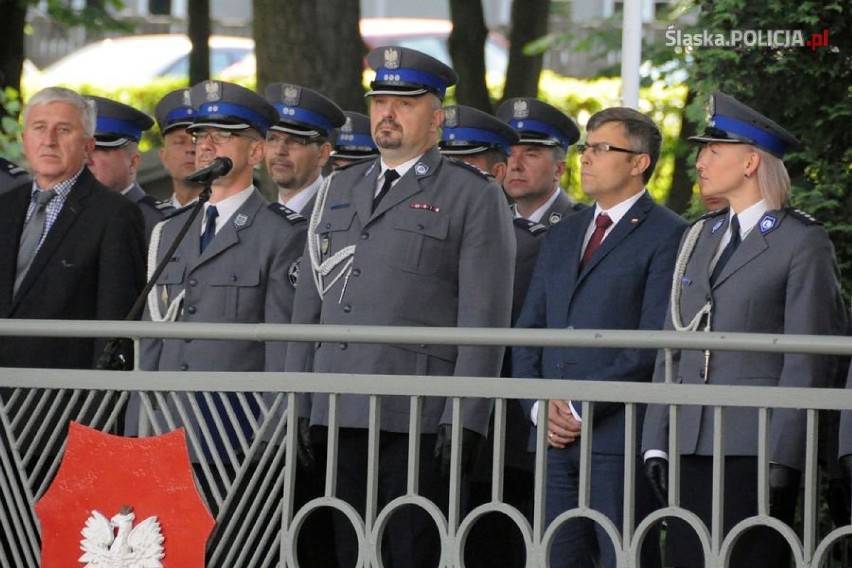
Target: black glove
{"x":657,"y":472}
{"x":783,"y":491}
{"x":304,"y":444}
{"x":471,"y":444}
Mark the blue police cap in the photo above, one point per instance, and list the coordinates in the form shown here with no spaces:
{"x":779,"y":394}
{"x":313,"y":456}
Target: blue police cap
{"x":229,"y":106}
{"x":403,"y":71}
{"x":730,"y":121}
{"x":353,"y":141}
{"x":303,"y":111}
{"x":174,"y":110}
{"x":467,"y":130}
{"x":118,"y":124}
{"x":539,"y":123}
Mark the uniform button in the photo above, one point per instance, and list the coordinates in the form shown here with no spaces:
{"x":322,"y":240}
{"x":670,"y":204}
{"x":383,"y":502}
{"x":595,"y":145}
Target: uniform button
{"x":347,"y":308}
{"x":365,"y":235}
{"x":708,"y":298}
{"x":233,"y":277}
{"x":328,"y":225}
{"x":420,"y":227}
{"x":193,"y":282}
{"x":190,"y":309}
{"x":356,"y":272}
{"x":187,"y":341}
{"x":342,"y":346}
{"x":184,"y":367}
{"x":422,"y":346}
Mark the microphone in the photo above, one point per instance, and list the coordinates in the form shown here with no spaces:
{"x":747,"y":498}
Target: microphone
{"x":215,"y":169}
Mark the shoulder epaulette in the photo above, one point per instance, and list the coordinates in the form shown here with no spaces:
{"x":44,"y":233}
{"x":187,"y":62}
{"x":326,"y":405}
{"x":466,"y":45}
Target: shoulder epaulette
{"x":802,"y":216}
{"x":530,"y":226}
{"x":11,"y":168}
{"x":292,"y":216}
{"x":179,"y":211}
{"x":355,"y":163}
{"x":469,"y":167}
{"x":711,"y":214}
{"x":155,"y":203}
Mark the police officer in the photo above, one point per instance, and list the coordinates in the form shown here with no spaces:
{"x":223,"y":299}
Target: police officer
{"x":238,"y":263}
{"x":297,"y":146}
{"x":410,"y":238}
{"x":352,"y":142}
{"x":757,"y":266}
{"x":537,"y":161}
{"x":174,"y":114}
{"x":116,"y":157}
{"x":12,"y":175}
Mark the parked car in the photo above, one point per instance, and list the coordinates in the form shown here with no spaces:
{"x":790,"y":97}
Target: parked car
{"x":132,"y":60}
{"x":423,"y":34}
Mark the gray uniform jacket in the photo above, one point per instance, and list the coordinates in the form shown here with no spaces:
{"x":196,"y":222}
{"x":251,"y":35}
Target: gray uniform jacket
{"x":12,"y":175}
{"x":438,"y":251}
{"x":246,"y":275}
{"x":783,"y":278}
{"x":153,"y":210}
{"x":846,"y":424}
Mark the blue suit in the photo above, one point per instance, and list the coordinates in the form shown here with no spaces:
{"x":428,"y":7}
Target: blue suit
{"x":625,"y":285}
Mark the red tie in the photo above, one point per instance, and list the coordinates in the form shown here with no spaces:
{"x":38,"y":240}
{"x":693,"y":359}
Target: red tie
{"x":602,"y":222}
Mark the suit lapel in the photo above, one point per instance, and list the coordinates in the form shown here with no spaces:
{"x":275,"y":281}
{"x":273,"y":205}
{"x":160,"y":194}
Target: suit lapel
{"x":634,"y":217}
{"x":752,"y":246}
{"x":228,"y":235}
{"x":363,"y":192}
{"x":411,"y":183}
{"x":566,"y":281}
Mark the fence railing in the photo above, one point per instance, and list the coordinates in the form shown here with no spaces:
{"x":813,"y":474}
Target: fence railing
{"x":250,"y":488}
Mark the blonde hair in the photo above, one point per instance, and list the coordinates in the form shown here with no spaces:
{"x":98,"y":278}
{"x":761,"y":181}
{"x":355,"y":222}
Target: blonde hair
{"x":772,"y":179}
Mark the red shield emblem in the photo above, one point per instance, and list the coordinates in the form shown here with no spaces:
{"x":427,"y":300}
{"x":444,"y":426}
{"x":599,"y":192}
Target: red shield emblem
{"x":123,"y":498}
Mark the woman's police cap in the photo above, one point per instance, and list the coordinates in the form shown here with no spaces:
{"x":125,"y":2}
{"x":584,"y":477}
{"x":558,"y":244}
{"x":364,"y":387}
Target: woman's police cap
{"x":303,"y":111}
{"x":118,"y":124}
{"x":730,"y":121}
{"x":539,"y":123}
{"x":467,"y":130}
{"x":402,"y":71}
{"x":229,"y":106}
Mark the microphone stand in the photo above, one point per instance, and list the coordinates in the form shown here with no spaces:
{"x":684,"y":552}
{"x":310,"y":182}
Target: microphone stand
{"x":112,"y":359}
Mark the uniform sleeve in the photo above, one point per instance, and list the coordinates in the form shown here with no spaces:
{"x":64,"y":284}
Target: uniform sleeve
{"x":281,"y":291}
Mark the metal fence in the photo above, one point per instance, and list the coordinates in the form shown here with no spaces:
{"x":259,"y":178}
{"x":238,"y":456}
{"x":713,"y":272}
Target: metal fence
{"x":249,"y":483}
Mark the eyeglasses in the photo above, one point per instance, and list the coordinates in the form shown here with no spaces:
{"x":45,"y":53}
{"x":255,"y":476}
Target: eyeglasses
{"x":602,"y":148}
{"x":218,"y":137}
{"x":289,"y":142}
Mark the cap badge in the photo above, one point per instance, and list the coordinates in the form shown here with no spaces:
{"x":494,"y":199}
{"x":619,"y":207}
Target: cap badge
{"x":717,"y":226}
{"x":290,"y":95}
{"x":451,"y":117}
{"x":767,"y":223}
{"x":347,"y":126}
{"x":554,"y":218}
{"x":187,"y":100}
{"x":391,"y":58}
{"x":213,"y":90}
{"x":240,"y":220}
{"x":520,"y":109}
{"x":420,"y":168}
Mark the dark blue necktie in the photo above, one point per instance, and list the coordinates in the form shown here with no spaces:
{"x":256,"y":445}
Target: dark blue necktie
{"x":729,"y":250}
{"x":390,"y":177}
{"x":210,"y":227}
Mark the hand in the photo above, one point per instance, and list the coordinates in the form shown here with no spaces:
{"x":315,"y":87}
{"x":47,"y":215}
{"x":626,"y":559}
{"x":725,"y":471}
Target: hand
{"x":783,"y":491}
{"x":304,"y":444}
{"x":657,"y":472}
{"x":562,"y":427}
{"x":471,"y":444}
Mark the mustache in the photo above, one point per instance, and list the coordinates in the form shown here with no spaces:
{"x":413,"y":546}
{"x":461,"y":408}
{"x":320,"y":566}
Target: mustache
{"x":388,"y":122}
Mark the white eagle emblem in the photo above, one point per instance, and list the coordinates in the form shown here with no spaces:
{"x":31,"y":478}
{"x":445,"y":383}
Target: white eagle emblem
{"x":126,"y":547}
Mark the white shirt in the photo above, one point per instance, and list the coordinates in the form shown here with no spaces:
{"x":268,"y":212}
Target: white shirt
{"x":401,"y":169}
{"x":539,"y":213}
{"x":226,"y":208}
{"x":301,"y":199}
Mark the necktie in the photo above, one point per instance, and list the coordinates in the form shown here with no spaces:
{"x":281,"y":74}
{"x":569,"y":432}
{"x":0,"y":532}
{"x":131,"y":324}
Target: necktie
{"x":729,"y":249}
{"x":32,"y":234}
{"x":602,"y":222}
{"x":390,"y":177}
{"x":210,"y":226}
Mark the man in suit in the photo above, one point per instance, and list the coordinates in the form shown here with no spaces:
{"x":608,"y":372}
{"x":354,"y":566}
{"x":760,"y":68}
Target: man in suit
{"x":412,"y":239}
{"x":352,"y":142}
{"x":174,"y":114}
{"x":116,"y":157}
{"x":297,"y":146}
{"x":760,"y":267}
{"x":537,"y":161}
{"x":606,"y":267}
{"x":80,"y":254}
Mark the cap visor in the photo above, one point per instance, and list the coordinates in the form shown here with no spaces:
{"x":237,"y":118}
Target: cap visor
{"x":706,"y":139}
{"x":220,"y":125}
{"x":396,"y":92}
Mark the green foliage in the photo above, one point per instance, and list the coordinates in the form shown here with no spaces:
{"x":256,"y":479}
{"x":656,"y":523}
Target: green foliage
{"x":93,"y":16}
{"x":10,"y":129}
{"x":808,"y":90}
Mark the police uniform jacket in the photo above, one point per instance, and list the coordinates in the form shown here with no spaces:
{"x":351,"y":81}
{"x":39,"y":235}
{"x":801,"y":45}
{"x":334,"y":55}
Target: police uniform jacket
{"x":153,"y":210}
{"x":91,"y":266}
{"x":247,"y":274}
{"x":782,"y":279}
{"x":625,"y":285}
{"x":846,"y":424}
{"x":438,"y":251}
{"x":12,"y":175}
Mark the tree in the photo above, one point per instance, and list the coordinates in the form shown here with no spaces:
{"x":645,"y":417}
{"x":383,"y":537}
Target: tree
{"x":467,"y":50}
{"x":199,"y":35}
{"x":314,"y":44}
{"x":529,"y":22}
{"x":803,"y":88}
